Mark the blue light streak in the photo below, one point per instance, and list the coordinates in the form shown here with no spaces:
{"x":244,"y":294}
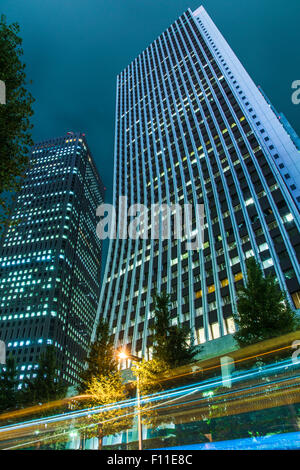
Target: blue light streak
{"x":157,"y":397}
{"x":287,"y":441}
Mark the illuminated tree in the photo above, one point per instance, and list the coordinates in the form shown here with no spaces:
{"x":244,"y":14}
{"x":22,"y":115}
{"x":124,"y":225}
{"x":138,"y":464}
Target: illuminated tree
{"x":107,"y":391}
{"x":148,"y":375}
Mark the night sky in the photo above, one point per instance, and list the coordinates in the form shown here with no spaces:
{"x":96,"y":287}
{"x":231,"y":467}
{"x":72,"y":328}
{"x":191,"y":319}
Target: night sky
{"x":74,"y":50}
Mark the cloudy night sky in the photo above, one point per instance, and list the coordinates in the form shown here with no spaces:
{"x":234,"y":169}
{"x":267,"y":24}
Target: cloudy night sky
{"x":74,"y":50}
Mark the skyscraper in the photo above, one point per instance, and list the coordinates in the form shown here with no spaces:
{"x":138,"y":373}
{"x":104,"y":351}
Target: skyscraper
{"x":193,"y":128}
{"x":289,"y":129}
{"x":50,"y":258}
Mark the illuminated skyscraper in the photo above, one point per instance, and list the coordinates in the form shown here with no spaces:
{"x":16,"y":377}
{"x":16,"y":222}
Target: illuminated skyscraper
{"x":192,"y":127}
{"x":50,"y":258}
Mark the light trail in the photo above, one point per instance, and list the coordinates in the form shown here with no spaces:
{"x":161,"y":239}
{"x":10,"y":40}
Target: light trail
{"x":218,"y":366}
{"x":45,"y":406}
{"x":78,"y":429}
{"x":159,"y":406}
{"x":179,"y":391}
{"x":235,"y":392}
{"x":135,"y":413}
{"x":53,"y":404}
{"x":277,"y":441}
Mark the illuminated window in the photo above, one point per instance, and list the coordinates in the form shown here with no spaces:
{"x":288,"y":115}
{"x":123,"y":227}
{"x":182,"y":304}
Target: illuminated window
{"x":215,"y":330}
{"x":263,"y":247}
{"x":230,"y":325}
{"x":238,"y":276}
{"x":200,"y":335}
{"x":199,"y":311}
{"x":198,"y":294}
{"x":267,"y":263}
{"x":287,"y":218}
{"x":249,"y":201}
{"x":296,"y":299}
{"x":224,"y":282}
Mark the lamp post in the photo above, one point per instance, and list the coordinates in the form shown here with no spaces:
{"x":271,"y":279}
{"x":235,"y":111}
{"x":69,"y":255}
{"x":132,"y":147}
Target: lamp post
{"x":123,"y":355}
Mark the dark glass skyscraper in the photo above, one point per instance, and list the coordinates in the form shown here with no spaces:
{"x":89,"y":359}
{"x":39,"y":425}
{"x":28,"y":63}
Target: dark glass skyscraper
{"x":192,"y":127}
{"x":50,"y":258}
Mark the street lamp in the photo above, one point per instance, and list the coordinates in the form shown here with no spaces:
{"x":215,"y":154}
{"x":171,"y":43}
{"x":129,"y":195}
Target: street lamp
{"x":124,"y":355}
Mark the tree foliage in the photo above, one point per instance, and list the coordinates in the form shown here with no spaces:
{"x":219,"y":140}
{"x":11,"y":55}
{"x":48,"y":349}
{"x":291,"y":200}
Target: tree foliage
{"x":101,"y":360}
{"x":9,"y":394}
{"x":170,"y":342}
{"x":106,"y":390}
{"x":15,"y":126}
{"x":148,"y":374}
{"x":170,"y":349}
{"x":102,"y":382}
{"x":263,"y":309}
{"x":47,"y":385}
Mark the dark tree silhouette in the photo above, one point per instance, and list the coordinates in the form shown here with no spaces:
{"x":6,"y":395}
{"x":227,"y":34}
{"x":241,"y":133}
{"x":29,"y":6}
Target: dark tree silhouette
{"x":170,"y":342}
{"x":263,"y":309}
{"x":15,"y":126}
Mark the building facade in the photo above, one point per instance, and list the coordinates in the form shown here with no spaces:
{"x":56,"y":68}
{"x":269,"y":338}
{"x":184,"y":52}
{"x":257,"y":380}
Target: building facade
{"x":284,"y":122}
{"x":50,"y":258}
{"x":193,"y":128}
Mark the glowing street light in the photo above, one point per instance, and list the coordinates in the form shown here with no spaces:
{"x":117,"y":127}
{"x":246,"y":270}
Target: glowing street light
{"x":123,"y":355}
{"x":132,"y":357}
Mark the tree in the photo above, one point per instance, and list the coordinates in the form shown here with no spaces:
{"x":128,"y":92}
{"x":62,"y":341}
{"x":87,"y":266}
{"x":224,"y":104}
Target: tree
{"x":148,"y":374}
{"x":106,"y":390}
{"x":8,"y":385}
{"x":101,"y":360}
{"x":102,"y":381}
{"x":170,"y":342}
{"x":47,"y":385}
{"x":15,"y":126}
{"x":170,"y":349}
{"x":263,"y":309}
